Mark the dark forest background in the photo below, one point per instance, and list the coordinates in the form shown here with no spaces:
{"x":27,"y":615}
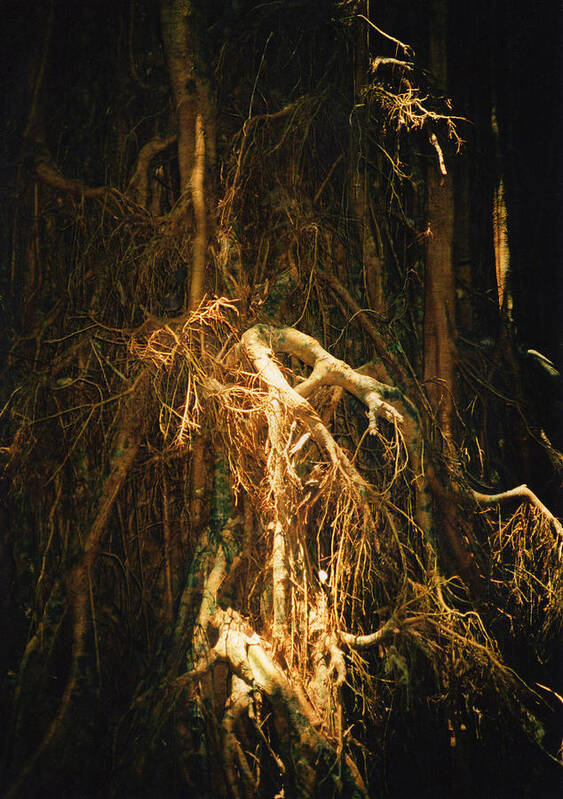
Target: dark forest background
{"x":384,"y":177}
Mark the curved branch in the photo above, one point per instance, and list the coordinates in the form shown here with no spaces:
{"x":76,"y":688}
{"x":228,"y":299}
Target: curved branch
{"x":521,"y":492}
{"x":405,"y":47}
{"x":261,"y":341}
{"x":328,"y":370}
{"x":49,"y":174}
{"x":391,"y":628}
{"x":139,"y":183}
{"x":258,"y":345}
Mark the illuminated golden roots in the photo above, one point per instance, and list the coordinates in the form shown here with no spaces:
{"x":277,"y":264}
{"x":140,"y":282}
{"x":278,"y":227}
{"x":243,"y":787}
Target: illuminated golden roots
{"x":201,"y":379}
{"x":353,"y":557}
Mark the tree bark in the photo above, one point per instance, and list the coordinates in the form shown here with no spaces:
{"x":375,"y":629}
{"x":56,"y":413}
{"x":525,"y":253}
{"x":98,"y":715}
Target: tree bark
{"x":439,"y":288}
{"x":183,"y":43}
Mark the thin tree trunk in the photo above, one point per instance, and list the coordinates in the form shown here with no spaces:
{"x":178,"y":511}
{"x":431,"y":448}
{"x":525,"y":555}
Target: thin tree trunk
{"x":359,"y":192}
{"x":439,"y":298}
{"x":182,"y":37}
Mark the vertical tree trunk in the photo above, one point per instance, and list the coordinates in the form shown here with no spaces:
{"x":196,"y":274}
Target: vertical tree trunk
{"x":179,"y":40}
{"x":359,"y":192}
{"x":439,"y":299}
{"x":200,"y":214}
{"x":182,"y":37}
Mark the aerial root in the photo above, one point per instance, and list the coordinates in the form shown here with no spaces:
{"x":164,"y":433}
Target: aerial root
{"x":250,"y":658}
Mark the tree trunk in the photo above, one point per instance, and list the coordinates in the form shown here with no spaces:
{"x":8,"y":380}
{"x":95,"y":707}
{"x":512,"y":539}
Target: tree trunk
{"x":439,"y":285}
{"x":195,"y":116}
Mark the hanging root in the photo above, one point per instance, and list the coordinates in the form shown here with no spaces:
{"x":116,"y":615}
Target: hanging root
{"x":312,"y":756}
